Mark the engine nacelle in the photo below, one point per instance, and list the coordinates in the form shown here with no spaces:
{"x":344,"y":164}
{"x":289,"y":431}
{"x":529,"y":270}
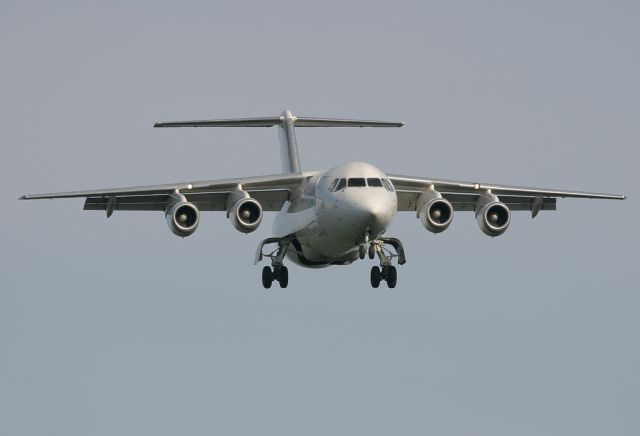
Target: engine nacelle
{"x":246,"y":215}
{"x":493,"y":218}
{"x":183,"y":218}
{"x":435,"y":213}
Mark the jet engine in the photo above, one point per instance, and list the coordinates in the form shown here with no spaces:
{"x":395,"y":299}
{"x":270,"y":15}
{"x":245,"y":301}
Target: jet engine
{"x":246,"y":215}
{"x":493,"y":218}
{"x":183,"y":218}
{"x":435,"y":213}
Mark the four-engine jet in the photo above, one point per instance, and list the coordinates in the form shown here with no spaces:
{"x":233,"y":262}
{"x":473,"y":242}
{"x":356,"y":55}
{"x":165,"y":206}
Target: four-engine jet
{"x":332,"y":217}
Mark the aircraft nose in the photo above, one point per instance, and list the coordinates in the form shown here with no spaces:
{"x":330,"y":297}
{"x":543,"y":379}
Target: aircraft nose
{"x":373,"y":213}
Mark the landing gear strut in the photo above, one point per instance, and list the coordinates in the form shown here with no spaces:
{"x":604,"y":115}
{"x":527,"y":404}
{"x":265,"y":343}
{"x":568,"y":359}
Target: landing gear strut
{"x":386,"y":271}
{"x":277,"y":271}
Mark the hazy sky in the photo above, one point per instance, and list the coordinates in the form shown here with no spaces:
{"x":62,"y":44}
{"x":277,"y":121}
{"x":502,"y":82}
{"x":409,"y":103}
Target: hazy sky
{"x":119,"y":327}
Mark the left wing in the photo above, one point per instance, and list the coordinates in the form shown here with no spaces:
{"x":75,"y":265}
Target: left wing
{"x":211,"y":195}
{"x":464,"y":195}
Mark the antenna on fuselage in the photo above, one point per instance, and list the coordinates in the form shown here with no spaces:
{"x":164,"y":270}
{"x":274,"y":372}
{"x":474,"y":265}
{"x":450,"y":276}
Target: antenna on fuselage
{"x":287,"y":122}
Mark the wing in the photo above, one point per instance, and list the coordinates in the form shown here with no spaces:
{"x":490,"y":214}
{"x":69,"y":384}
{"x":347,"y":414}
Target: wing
{"x":211,"y":195}
{"x":463,"y":195}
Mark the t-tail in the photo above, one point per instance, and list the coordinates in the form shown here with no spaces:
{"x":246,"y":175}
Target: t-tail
{"x":287,"y":123}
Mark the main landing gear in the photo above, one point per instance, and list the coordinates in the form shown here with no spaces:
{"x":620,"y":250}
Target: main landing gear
{"x":277,"y":271}
{"x":386,"y":271}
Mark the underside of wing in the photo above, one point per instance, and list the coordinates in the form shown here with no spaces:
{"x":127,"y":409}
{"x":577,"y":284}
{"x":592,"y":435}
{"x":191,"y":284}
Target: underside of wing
{"x":434,"y":201}
{"x":464,"y":195}
{"x":271,"y":200}
{"x":408,"y":200}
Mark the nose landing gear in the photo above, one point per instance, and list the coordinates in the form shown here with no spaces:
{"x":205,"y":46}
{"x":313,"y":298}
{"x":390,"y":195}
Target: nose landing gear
{"x":386,"y":271}
{"x":279,"y":273}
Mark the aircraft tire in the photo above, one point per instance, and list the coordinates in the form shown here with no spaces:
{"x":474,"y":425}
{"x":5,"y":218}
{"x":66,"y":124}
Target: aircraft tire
{"x":267,"y":277}
{"x":372,"y":252}
{"x":283,"y":276}
{"x":376,"y":276}
{"x":392,"y":276}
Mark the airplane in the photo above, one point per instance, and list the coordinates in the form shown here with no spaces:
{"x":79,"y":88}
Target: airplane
{"x":332,"y":217}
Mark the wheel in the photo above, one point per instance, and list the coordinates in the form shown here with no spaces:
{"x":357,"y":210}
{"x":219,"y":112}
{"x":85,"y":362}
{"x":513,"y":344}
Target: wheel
{"x":283,"y":276}
{"x":372,"y":251}
{"x":362,"y":251}
{"x":267,"y":277}
{"x":376,"y":276}
{"x":392,"y":276}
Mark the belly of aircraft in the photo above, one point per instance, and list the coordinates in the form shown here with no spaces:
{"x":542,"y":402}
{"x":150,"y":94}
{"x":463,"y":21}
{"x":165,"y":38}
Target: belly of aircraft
{"x":328,"y":239}
{"x":325,"y":235}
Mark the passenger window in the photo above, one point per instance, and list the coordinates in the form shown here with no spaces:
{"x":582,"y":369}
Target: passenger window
{"x":356,"y":183}
{"x":376,"y":183}
{"x":341,"y":184}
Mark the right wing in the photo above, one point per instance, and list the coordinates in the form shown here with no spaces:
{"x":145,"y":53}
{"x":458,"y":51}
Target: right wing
{"x":211,"y":195}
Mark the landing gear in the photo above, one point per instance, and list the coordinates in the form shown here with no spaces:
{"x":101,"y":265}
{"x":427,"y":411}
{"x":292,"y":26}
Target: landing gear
{"x":386,"y":271}
{"x":376,"y":276}
{"x":277,"y":271}
{"x":281,"y":274}
{"x":267,"y":277}
{"x":391,"y":275}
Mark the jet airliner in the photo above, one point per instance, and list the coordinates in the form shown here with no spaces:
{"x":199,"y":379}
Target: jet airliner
{"x":333,"y":217}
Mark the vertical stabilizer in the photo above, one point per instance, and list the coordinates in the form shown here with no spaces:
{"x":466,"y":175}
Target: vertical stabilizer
{"x":289,"y":156}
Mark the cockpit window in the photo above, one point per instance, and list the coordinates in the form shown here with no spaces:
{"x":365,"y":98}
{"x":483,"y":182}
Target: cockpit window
{"x":359,"y":182}
{"x":356,"y":183}
{"x":332,"y":186}
{"x":387,"y":184}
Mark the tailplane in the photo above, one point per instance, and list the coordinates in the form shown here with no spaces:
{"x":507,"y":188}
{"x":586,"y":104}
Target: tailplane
{"x":286,"y":122}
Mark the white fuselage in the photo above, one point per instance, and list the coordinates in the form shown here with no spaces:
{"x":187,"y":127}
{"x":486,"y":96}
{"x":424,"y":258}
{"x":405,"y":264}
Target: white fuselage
{"x":335,"y":212}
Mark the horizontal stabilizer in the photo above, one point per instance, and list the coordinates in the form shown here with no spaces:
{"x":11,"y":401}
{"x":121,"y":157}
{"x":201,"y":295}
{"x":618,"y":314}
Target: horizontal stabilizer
{"x":287,"y":123}
{"x":336,"y":122}
{"x":274,"y":121}
{"x":235,"y":122}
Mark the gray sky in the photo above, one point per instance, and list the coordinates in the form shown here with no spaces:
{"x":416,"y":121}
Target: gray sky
{"x":119,"y":327}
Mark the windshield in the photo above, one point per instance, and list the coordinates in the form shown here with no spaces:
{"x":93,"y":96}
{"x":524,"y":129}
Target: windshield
{"x":356,"y":183}
{"x":359,"y":182}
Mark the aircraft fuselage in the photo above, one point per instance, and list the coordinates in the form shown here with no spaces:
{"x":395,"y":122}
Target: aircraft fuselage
{"x":335,"y":212}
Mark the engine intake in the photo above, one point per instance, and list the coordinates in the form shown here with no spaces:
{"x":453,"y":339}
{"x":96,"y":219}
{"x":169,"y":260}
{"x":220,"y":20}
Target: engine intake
{"x":494,"y":218}
{"x":246,"y":215}
{"x":436,"y":215}
{"x":183,"y":218}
